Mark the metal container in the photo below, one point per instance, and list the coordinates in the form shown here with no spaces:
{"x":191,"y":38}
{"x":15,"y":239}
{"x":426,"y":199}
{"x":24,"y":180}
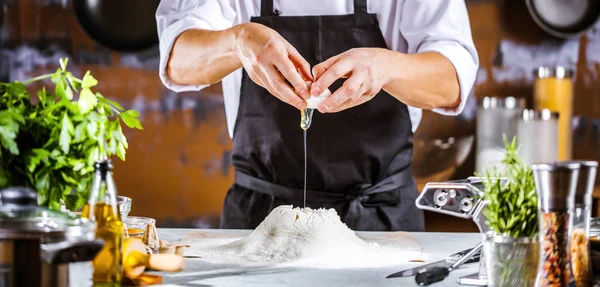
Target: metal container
{"x":510,"y":261}
{"x":41,"y":247}
{"x":496,"y":118}
{"x":537,"y":133}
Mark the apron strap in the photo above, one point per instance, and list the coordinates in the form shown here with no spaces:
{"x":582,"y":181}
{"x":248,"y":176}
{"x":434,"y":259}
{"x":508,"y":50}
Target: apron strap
{"x":360,"y":7}
{"x":266,"y":8}
{"x":384,"y":193}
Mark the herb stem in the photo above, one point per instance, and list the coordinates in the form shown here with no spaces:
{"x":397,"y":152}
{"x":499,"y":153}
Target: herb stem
{"x":38,"y":78}
{"x":71,"y":85}
{"x":114,"y":109}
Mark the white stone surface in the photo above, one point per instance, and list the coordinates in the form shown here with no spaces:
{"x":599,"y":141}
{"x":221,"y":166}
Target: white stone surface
{"x":435,"y":247}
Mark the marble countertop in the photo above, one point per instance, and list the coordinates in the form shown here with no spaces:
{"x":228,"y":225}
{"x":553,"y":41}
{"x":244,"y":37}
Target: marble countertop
{"x":436,"y":246}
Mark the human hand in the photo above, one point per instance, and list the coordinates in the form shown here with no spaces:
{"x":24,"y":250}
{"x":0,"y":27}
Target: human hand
{"x":365,"y":69}
{"x":270,"y":60}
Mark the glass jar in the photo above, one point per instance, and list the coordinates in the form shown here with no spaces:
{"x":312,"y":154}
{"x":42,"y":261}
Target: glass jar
{"x":553,"y":90}
{"x":537,"y":134}
{"x":136,"y":225}
{"x":594,"y":238}
{"x":580,"y":235}
{"x":496,"y":119}
{"x":124,"y":204}
{"x":580,"y":246}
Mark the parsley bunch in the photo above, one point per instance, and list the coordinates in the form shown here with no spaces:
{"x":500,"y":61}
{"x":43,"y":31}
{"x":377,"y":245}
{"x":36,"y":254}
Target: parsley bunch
{"x":512,"y":206}
{"x":52,"y":144}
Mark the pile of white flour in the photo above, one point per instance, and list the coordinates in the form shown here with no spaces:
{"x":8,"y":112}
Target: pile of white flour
{"x":303,"y":236}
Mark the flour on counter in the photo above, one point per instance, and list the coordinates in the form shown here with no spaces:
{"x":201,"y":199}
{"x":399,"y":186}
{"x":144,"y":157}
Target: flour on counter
{"x":304,"y":237}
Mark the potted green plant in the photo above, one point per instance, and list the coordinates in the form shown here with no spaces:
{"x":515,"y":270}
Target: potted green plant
{"x":511,"y":249}
{"x":50,"y":141}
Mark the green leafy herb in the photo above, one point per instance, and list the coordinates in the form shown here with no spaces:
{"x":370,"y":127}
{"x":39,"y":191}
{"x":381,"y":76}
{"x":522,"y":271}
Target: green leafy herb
{"x":512,"y":205}
{"x":51,"y":145}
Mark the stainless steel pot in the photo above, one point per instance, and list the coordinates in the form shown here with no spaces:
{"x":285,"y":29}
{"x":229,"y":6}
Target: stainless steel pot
{"x":564,"y":18}
{"x":41,"y":247}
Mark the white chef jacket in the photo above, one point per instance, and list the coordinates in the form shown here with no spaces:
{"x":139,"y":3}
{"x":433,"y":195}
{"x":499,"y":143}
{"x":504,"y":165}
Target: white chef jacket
{"x":408,"y":26}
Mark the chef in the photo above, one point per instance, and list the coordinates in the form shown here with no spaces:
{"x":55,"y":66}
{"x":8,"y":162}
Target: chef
{"x":383,"y":60}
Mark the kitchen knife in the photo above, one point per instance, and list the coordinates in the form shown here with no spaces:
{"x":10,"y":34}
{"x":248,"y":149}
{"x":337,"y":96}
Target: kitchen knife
{"x":427,"y":276}
{"x":446,"y":263}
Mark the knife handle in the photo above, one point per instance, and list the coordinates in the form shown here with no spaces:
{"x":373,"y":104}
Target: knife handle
{"x":431,"y":275}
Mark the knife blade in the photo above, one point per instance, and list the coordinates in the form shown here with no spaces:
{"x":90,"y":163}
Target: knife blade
{"x":446,"y":263}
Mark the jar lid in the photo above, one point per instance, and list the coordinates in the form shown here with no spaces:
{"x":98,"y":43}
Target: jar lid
{"x":553,"y":72}
{"x":539,"y":115}
{"x":506,"y":102}
{"x":20,"y":215}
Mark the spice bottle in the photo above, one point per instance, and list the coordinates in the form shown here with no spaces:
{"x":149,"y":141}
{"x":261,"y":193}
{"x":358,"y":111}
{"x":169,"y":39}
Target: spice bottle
{"x":102,"y":209}
{"x":534,"y":127}
{"x":580,"y":245}
{"x":553,"y":90}
{"x":496,"y":118}
{"x":555,"y":186}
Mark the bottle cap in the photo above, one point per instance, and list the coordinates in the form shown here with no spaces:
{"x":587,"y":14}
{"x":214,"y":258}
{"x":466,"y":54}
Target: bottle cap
{"x":555,"y":185}
{"x":585,"y":182}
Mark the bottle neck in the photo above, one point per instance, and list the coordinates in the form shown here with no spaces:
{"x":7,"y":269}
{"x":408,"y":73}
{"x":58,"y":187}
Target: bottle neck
{"x":103,"y":187}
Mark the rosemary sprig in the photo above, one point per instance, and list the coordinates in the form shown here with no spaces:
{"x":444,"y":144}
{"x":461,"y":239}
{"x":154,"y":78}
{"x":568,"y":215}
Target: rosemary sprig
{"x":512,"y":206}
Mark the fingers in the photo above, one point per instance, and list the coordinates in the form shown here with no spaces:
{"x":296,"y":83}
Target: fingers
{"x":349,"y":104}
{"x":350,"y":91}
{"x":291,"y":74}
{"x":260,"y":78}
{"x":319,"y":69}
{"x":301,"y":65}
{"x":336,"y":71}
{"x":282,"y":90}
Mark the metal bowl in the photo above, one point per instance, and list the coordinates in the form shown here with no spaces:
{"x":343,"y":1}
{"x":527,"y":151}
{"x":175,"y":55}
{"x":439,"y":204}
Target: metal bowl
{"x":436,"y":160}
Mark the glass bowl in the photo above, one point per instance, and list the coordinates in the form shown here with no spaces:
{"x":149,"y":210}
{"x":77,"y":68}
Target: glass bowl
{"x":137,"y":224}
{"x":124,"y":204}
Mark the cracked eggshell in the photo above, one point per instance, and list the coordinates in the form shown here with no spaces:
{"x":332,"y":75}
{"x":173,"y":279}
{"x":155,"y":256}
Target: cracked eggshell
{"x":313,"y":102}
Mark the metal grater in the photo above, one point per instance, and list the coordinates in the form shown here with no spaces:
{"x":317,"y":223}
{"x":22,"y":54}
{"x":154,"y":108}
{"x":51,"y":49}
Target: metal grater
{"x":459,"y":198}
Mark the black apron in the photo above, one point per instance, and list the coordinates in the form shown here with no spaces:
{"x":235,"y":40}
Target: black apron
{"x":359,"y":160}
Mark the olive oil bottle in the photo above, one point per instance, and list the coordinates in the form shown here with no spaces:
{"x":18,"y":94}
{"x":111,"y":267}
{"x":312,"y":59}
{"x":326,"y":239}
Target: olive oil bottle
{"x":102,"y":208}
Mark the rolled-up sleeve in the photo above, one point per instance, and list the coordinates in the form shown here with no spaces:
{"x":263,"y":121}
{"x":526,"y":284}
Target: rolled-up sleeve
{"x":173,"y":17}
{"x":443,"y":26}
